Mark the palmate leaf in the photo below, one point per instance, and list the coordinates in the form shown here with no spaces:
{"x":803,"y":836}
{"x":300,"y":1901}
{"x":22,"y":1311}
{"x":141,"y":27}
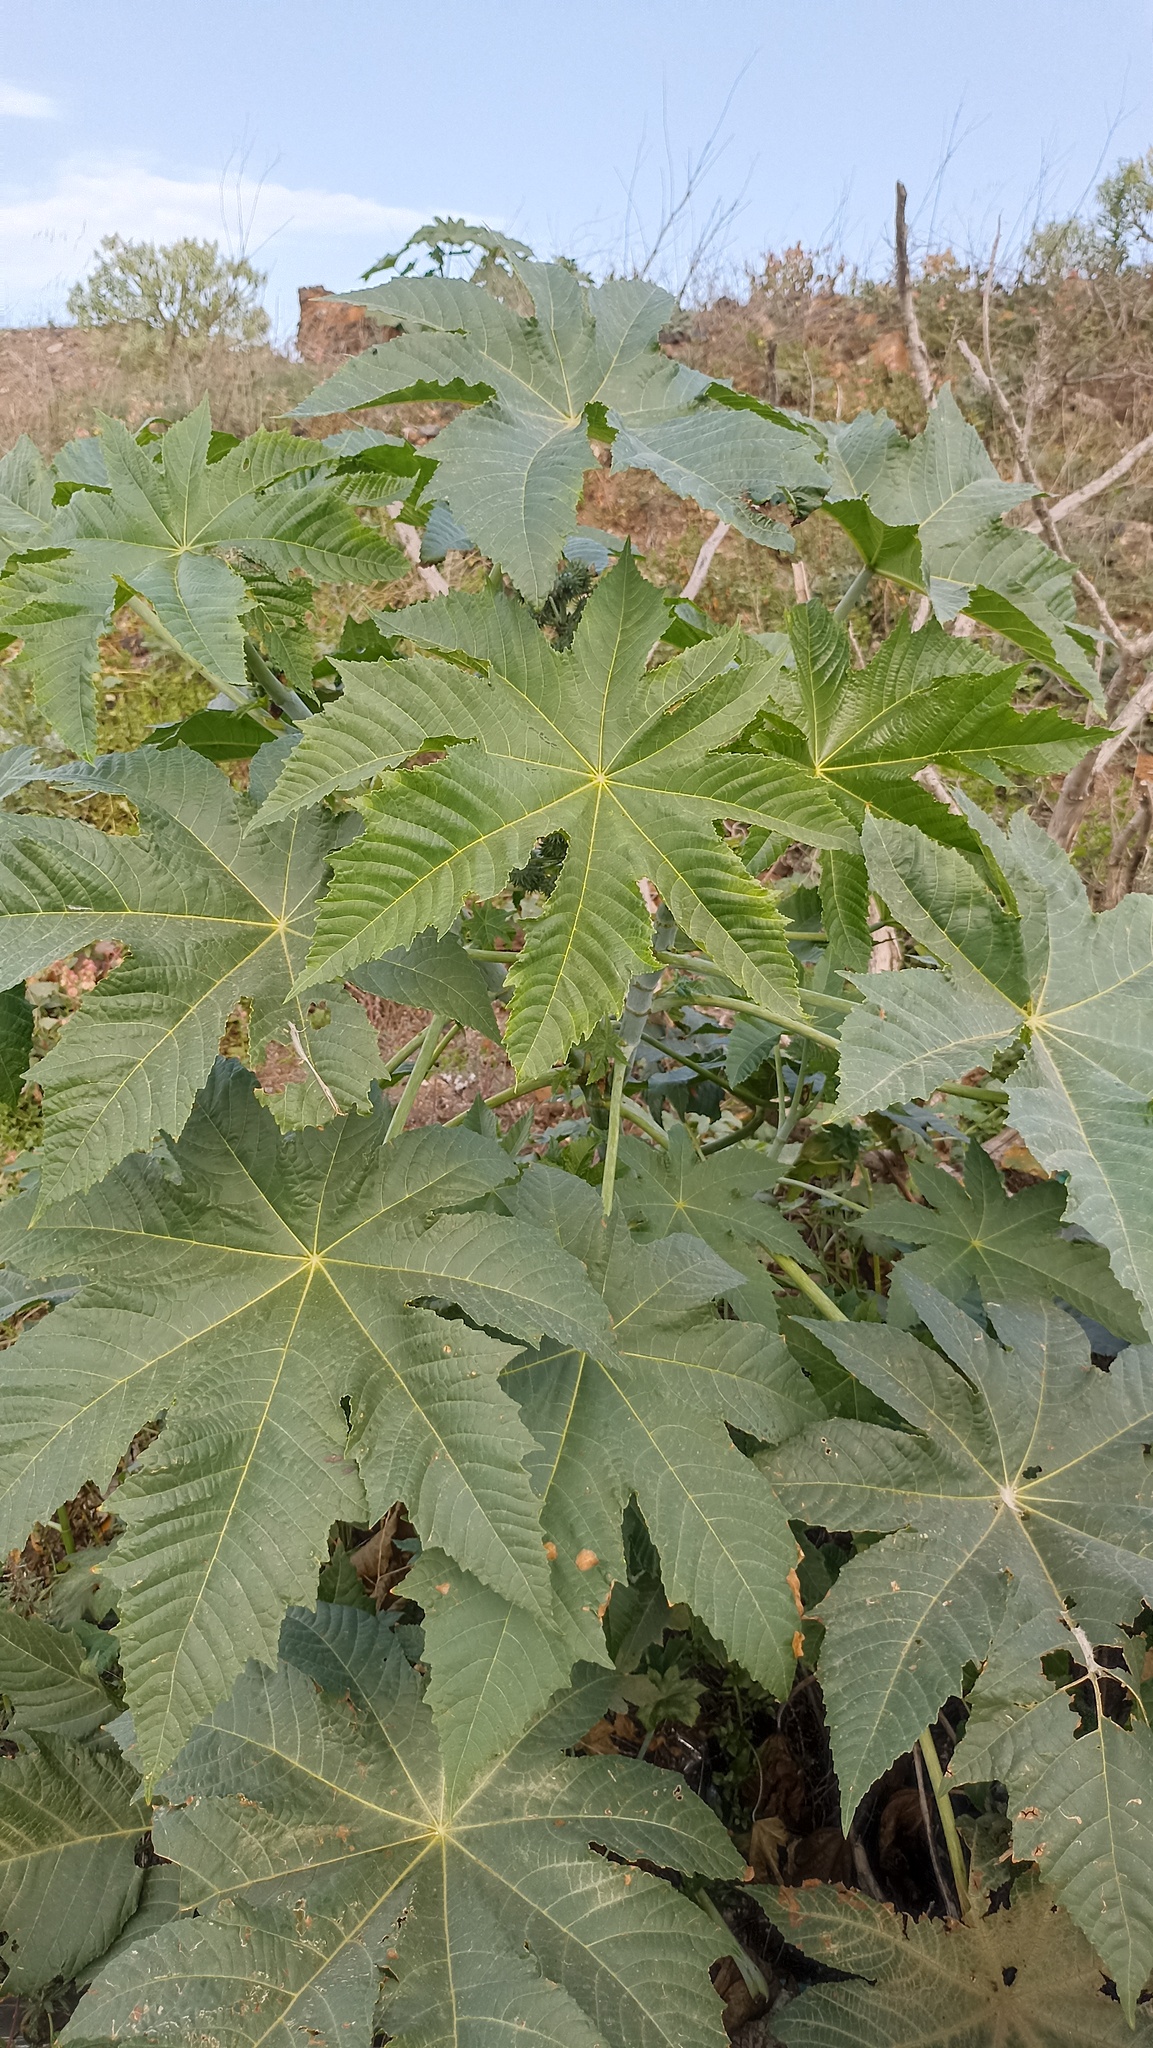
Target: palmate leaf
{"x":1021,"y":1978}
{"x":511,"y":467}
{"x":1025,"y":1473}
{"x":160,"y":525}
{"x":494,"y":1917}
{"x":718,"y":1199}
{"x":494,"y":1665}
{"x":583,"y":743}
{"x":1081,"y":985}
{"x":928,"y":512}
{"x":298,"y":1257}
{"x":648,"y":1419}
{"x":1078,"y":1801}
{"x":863,"y":734}
{"x":980,"y":1242}
{"x":209,"y":916}
{"x":70,"y":1825}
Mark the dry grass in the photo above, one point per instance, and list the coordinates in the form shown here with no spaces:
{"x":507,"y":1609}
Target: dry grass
{"x":54,"y":381}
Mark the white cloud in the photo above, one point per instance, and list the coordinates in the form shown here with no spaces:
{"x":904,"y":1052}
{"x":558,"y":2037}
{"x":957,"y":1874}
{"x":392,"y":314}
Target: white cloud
{"x":47,"y":238}
{"x":20,"y":105}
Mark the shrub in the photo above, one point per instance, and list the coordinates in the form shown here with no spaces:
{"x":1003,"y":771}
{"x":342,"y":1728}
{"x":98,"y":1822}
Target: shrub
{"x":186,"y":291}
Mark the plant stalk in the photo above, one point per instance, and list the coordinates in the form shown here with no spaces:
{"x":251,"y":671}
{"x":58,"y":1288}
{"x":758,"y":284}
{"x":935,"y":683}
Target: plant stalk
{"x":928,"y":1749}
{"x":420,"y":1069}
{"x":748,"y":1129}
{"x":280,"y":693}
{"x":402,"y":1053}
{"x":64,"y":1524}
{"x":698,"y":1066}
{"x":971,"y":1094}
{"x":811,"y":1188}
{"x":855,"y":591}
{"x":807,"y":1286}
{"x":743,"y":1009}
{"x":514,"y":1094}
{"x":613,"y":1140}
{"x":639,"y":1116}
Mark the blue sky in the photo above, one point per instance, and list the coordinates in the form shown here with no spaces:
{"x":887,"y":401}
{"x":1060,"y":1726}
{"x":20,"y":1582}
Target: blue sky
{"x":326,"y":131}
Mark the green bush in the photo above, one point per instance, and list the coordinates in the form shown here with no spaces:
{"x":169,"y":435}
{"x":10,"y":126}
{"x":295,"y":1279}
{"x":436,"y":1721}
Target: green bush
{"x":186,"y":291}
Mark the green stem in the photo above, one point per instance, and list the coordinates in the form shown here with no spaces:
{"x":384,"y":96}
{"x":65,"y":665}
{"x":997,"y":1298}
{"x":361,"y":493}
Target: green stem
{"x":528,"y":1087}
{"x":64,"y":1524}
{"x":971,"y":1094}
{"x":686,"y":1059}
{"x":928,"y":1749}
{"x":743,"y":1009}
{"x":613,"y":1141}
{"x":843,"y":1003}
{"x":787,"y":1121}
{"x":492,"y":953}
{"x":748,"y":1129}
{"x":286,"y":699}
{"x":280,"y":694}
{"x":807,"y":1286}
{"x":403,"y":1052}
{"x":854,"y":593}
{"x":811,"y":1188}
{"x":420,"y":1068}
{"x":634,"y":1113}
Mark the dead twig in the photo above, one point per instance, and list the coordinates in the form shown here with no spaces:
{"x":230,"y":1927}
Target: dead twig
{"x":435,"y":584}
{"x":918,"y":353}
{"x":1075,"y":499}
{"x":1077,"y":788}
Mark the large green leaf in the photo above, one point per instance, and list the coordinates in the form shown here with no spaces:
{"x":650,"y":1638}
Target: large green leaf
{"x":980,"y":1241}
{"x":1021,"y":1978}
{"x":511,"y":467}
{"x":297,"y":1256}
{"x":585,"y":743}
{"x":160,"y":525}
{"x":924,"y":697}
{"x":863,"y":734}
{"x":1079,"y":983}
{"x":70,"y":1825}
{"x":1023,"y":1473}
{"x":1079,"y":1795}
{"x":648,"y":1419}
{"x":928,"y":512}
{"x":210,"y":915}
{"x":495,"y":1919}
{"x":719,"y":1198}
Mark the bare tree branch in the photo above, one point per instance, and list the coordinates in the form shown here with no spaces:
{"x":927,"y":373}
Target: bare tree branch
{"x":704,"y":560}
{"x":435,"y":584}
{"x":1136,"y":711}
{"x":1077,"y":788}
{"x":918,"y":353}
{"x":1075,"y":499}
